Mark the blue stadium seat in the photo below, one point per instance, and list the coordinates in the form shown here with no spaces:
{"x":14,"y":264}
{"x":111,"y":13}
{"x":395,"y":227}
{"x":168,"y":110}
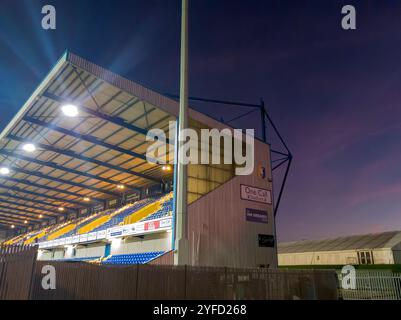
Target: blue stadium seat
{"x":165,"y":210}
{"x":134,"y":258}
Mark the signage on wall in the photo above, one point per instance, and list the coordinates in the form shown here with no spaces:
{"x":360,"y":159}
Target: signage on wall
{"x":254,"y":215}
{"x":266,"y":241}
{"x":255,"y":194}
{"x":99,"y":207}
{"x":132,"y":197}
{"x":139,"y":228}
{"x":112,"y":202}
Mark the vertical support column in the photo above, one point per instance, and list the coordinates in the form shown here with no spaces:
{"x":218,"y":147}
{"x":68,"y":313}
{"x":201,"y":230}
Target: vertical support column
{"x":262,"y":115}
{"x":173,"y":235}
{"x":181,"y":253}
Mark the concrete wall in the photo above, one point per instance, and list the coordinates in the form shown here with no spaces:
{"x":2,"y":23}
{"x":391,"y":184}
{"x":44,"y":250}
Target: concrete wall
{"x":218,"y":232}
{"x":90,"y":250}
{"x":152,"y":242}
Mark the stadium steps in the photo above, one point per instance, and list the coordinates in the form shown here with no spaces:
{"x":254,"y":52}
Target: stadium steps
{"x":61,"y":232}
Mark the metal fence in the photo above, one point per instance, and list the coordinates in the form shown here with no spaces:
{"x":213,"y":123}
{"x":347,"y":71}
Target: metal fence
{"x":160,"y":282}
{"x":373,"y":285}
{"x":16,"y":269}
{"x":22,"y":277}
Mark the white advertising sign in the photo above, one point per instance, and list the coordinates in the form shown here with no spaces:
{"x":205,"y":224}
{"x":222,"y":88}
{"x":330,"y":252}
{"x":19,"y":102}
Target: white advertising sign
{"x":101,"y":235}
{"x":75,"y":239}
{"x":83,"y":237}
{"x":92,"y":236}
{"x":256,"y":194}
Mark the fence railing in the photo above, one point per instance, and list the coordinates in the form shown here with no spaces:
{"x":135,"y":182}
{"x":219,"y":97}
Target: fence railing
{"x":21,"y":277}
{"x":17,"y":264}
{"x":160,"y":282}
{"x":373,"y":285}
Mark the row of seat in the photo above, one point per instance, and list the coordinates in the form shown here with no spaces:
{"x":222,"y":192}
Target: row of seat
{"x":164,"y":211}
{"x":78,"y":259}
{"x":67,"y":229}
{"x":134,"y":258}
{"x":119,"y":217}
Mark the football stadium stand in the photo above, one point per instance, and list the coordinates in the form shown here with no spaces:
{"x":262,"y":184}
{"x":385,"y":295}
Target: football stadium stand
{"x":77,"y":183}
{"x":139,"y":211}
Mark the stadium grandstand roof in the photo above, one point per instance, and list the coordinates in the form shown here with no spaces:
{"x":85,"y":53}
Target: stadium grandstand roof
{"x":53,"y":164}
{"x":366,"y":241}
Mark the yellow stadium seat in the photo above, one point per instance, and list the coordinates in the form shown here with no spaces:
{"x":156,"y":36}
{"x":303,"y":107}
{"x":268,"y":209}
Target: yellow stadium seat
{"x":94,"y":224}
{"x":62,"y":231}
{"x":143,"y":212}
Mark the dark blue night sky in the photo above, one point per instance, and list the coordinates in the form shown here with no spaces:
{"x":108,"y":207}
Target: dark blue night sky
{"x":334,"y":94}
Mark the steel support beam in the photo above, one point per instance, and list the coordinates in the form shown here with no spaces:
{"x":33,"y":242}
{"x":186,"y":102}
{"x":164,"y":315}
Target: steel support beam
{"x":57,"y":167}
{"x":84,"y":137}
{"x":44,"y":203}
{"x":7,"y":225}
{"x":24,"y":213}
{"x":43,"y":195}
{"x":112,"y":119}
{"x":74,"y":155}
{"x":283,"y":185}
{"x":13,"y":220}
{"x":4,"y":213}
{"x":232,"y":103}
{"x":62,"y":181}
{"x":49,"y":213}
{"x":41,"y":186}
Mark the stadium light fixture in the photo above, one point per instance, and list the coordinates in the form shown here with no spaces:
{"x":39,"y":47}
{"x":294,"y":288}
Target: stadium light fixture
{"x":70,"y":110}
{"x":29,"y":147}
{"x":4,"y":171}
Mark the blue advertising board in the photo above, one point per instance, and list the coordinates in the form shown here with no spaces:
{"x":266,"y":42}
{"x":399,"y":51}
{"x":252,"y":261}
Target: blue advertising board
{"x":255,"y":215}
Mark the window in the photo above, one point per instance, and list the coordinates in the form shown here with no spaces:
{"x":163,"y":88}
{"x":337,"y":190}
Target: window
{"x":368,"y":260}
{"x":365,"y":257}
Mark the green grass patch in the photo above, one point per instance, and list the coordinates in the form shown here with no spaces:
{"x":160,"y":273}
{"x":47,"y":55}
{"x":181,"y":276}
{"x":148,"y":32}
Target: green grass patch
{"x":392,"y":267}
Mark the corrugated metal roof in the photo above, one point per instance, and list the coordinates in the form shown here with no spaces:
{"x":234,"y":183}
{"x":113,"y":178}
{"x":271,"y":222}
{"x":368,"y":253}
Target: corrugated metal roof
{"x":85,"y":156}
{"x":365,"y":241}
